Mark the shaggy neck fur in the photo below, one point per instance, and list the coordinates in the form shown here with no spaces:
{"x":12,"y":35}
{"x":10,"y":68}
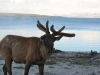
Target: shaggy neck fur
{"x":45,"y":51}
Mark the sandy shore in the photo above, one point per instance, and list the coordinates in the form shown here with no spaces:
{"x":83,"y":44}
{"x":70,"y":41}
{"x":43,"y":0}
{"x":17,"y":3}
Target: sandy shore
{"x":63,"y":63}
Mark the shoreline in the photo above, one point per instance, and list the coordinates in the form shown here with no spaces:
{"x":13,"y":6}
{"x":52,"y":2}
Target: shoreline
{"x":26,"y":15}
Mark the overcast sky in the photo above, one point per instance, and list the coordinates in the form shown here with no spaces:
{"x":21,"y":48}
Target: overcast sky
{"x":83,"y":8}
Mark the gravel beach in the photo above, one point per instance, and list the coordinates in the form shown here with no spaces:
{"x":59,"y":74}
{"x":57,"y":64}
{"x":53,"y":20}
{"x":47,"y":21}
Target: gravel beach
{"x":62,"y":63}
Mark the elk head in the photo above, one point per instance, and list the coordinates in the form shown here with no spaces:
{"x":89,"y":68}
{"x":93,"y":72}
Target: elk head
{"x":48,"y":38}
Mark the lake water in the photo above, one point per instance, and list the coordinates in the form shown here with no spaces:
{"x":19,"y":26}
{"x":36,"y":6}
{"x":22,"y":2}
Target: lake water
{"x":87,"y":30}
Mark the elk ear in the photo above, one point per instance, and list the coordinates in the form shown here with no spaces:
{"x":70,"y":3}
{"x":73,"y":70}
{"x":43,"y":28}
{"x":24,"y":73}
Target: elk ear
{"x":40,"y":26}
{"x":42,"y":38}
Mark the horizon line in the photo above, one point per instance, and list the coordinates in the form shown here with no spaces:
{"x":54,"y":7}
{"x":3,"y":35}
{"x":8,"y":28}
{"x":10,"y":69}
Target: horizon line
{"x":40,"y":15}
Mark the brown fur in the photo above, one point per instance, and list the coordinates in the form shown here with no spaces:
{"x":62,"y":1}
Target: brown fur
{"x":22,"y":49}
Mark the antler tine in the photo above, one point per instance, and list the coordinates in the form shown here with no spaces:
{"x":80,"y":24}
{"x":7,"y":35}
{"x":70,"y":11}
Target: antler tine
{"x":56,"y":32}
{"x":61,"y":29}
{"x":67,"y":34}
{"x":52,"y":29}
{"x":39,"y":22}
{"x":47,"y":28}
{"x":40,"y":26}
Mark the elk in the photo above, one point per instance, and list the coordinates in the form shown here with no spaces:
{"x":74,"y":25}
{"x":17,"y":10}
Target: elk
{"x":30,"y":50}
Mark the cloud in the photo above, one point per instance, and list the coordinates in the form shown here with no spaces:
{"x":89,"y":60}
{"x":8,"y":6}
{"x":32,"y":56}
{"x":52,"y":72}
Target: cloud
{"x":17,"y":1}
{"x":54,"y":1}
{"x":50,"y":7}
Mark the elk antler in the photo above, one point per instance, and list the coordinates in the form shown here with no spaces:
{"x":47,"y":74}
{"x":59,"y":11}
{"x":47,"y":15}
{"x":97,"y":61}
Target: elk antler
{"x":41,"y":27}
{"x":67,"y":34}
{"x":47,"y":28}
{"x":55,"y":33}
{"x":52,"y":29}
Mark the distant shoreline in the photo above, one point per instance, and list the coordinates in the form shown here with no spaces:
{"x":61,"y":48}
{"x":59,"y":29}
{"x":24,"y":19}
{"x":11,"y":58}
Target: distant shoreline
{"x":29,"y":15}
{"x":38,"y":15}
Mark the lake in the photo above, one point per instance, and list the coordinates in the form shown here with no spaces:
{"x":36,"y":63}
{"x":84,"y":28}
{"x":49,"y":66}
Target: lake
{"x":87,"y":30}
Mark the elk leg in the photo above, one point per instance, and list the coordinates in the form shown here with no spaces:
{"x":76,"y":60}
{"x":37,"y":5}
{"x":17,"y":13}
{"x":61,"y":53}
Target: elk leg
{"x":27,"y":67}
{"x":41,"y":69}
{"x":6,"y":54}
{"x":5,"y":69}
{"x":9,"y":66}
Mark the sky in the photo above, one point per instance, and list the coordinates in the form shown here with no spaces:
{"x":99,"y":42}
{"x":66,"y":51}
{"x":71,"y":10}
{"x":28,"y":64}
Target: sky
{"x":70,"y":8}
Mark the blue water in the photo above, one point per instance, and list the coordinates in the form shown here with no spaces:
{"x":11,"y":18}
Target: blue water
{"x":87,"y":30}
